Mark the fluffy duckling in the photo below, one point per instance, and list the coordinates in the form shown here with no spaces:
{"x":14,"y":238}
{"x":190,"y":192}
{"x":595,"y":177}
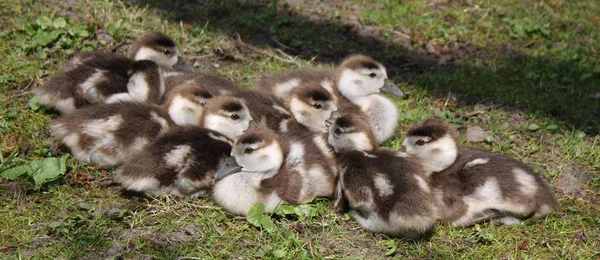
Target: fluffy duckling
{"x":106,"y":134}
{"x":473,"y":185}
{"x":356,"y":83}
{"x":387,"y":191}
{"x":265,"y":167}
{"x":145,"y":84}
{"x":104,"y":71}
{"x":182,"y":162}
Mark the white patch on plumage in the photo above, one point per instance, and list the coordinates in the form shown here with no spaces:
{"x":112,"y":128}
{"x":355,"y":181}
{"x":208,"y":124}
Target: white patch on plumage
{"x":316,"y":180}
{"x":139,"y":144}
{"x":159,"y":58}
{"x":542,"y":210}
{"x":103,"y":126}
{"x":219,"y":138}
{"x":489,"y":196}
{"x":368,"y":155}
{"x":266,"y":160}
{"x":65,"y":106}
{"x":328,"y":85}
{"x":92,"y":80}
{"x":382,"y":114}
{"x":281,"y":109}
{"x":321,"y":143}
{"x":282,"y":90}
{"x":118,"y":98}
{"x":296,"y":155}
{"x":350,"y":141}
{"x":142,"y":184}
{"x":185,"y":112}
{"x":164,"y":125}
{"x":168,"y":74}
{"x":238,"y":192}
{"x":422,"y":184}
{"x":436,"y":155}
{"x":382,"y":185}
{"x":177,"y":157}
{"x":476,"y":162}
{"x":528,"y":185}
{"x":138,"y":87}
{"x":283,"y":126}
{"x":508,"y":220}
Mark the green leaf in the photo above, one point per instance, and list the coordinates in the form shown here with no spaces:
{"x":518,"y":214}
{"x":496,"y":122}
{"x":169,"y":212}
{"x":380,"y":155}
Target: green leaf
{"x":63,"y":163}
{"x":60,"y":22}
{"x":15,"y":173}
{"x":267,"y":224}
{"x":305,"y":211}
{"x":34,"y":103}
{"x":392,"y":248}
{"x":279,"y":253}
{"x":255,"y":213}
{"x":284,"y":210}
{"x":49,"y":170}
{"x":552,"y":127}
{"x":585,"y":76}
{"x":533,"y":127}
{"x":44,"y":22}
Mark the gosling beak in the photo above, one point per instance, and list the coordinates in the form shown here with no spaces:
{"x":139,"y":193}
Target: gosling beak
{"x":230,"y":167}
{"x":402,"y":149}
{"x":182,"y":66}
{"x":334,"y":115}
{"x":390,"y":88}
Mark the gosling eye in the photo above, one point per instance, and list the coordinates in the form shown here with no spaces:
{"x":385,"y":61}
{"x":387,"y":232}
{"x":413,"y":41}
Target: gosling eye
{"x":372,"y":75}
{"x":420,"y":142}
{"x":317,"y":106}
{"x":249,"y":150}
{"x":235,"y":116}
{"x":337,"y":131}
{"x":167,"y":52}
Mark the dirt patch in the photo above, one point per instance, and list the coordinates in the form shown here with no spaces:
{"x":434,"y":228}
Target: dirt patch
{"x":571,"y":182}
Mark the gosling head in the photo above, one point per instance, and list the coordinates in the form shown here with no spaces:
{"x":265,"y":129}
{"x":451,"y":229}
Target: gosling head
{"x":156,"y":47}
{"x":226,"y":115}
{"x":311,"y":106}
{"x":434,"y":141}
{"x":350,"y":132}
{"x":361,"y":76}
{"x":258,"y":151}
{"x":185,"y":103}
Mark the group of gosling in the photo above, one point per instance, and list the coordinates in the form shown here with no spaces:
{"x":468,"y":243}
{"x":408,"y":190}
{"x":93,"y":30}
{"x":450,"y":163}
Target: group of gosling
{"x":295,"y":136}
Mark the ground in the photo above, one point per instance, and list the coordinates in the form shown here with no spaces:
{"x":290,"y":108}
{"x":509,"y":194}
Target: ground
{"x":517,"y":77}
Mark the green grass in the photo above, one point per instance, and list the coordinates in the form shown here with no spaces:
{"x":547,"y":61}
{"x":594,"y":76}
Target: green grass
{"x":536,"y":60}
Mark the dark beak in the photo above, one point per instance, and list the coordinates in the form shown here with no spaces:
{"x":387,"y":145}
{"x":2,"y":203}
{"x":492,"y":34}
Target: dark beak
{"x":402,"y":149}
{"x":230,"y":167}
{"x":182,"y":66}
{"x":334,"y":115}
{"x":390,"y":88}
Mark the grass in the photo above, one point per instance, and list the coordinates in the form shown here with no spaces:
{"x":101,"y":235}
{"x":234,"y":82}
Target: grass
{"x":535,"y":61}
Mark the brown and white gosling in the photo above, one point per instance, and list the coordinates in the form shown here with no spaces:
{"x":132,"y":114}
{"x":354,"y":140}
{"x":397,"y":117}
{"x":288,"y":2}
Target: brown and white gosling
{"x":182,"y":162}
{"x":387,"y":192}
{"x":471,"y":185}
{"x":267,"y":168}
{"x":106,"y":134}
{"x":356,"y":84}
{"x":104,"y":71}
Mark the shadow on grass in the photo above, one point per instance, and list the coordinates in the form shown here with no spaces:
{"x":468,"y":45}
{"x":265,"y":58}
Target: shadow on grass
{"x":551,"y":87}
